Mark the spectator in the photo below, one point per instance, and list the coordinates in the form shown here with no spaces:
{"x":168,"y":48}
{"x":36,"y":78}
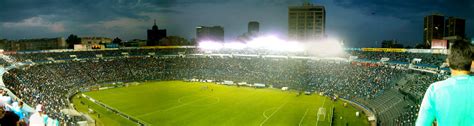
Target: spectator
{"x":38,"y":118}
{"x":51,"y":83}
{"x":449,"y":101}
{"x":18,"y":110}
{"x":8,"y":118}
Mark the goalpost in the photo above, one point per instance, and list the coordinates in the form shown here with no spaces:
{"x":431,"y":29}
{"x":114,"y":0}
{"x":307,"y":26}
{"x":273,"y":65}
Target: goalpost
{"x":321,"y":114}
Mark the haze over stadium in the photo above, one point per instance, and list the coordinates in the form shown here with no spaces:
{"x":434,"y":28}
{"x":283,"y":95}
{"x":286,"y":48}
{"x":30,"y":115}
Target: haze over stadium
{"x":223,"y":62}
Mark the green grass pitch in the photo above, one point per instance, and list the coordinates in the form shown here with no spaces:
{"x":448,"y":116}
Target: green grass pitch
{"x":177,"y":103}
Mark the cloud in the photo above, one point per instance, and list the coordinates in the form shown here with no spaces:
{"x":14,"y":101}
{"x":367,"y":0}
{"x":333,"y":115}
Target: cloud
{"x":409,"y":13}
{"x":37,"y":22}
{"x":129,"y":19}
{"x":124,"y":27}
{"x":88,"y":17}
{"x":409,"y":9}
{"x":57,"y":27}
{"x":232,"y":15}
{"x":361,"y":29}
{"x":33,"y":18}
{"x":116,"y":28}
{"x":185,"y":3}
{"x":72,"y":10}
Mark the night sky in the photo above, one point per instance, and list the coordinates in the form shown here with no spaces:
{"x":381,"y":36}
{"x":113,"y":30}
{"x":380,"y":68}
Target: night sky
{"x":360,"y":23}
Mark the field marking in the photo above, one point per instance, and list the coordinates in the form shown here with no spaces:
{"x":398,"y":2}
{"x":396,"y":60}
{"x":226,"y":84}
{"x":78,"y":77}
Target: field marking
{"x":189,"y":95}
{"x":215,"y":99}
{"x":278,"y":109}
{"x":302,"y":118}
{"x":182,"y":97}
{"x":171,"y":108}
{"x":324,"y":102}
{"x":265,"y":112}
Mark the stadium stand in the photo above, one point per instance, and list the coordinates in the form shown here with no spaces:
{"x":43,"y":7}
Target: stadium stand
{"x":387,"y":106}
{"x":47,"y":77}
{"x":426,"y":58}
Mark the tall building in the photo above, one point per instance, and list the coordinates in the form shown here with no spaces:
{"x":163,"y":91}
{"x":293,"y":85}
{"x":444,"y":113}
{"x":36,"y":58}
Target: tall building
{"x":455,"y":27}
{"x":306,"y":22}
{"x":210,"y":33}
{"x":253,"y":28}
{"x":154,"y":35}
{"x":433,"y":28}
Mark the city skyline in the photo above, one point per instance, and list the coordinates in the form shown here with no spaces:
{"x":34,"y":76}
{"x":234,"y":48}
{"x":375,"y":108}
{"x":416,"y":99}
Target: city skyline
{"x":129,"y":19}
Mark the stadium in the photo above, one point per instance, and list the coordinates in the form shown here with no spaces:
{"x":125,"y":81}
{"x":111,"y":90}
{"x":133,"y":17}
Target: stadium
{"x":223,"y":84}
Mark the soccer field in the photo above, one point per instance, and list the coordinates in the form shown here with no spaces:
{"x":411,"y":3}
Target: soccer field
{"x":180,"y":103}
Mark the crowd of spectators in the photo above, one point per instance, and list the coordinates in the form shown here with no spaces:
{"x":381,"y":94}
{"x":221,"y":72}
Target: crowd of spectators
{"x":408,"y":117}
{"x":417,"y":83}
{"x":48,"y":83}
{"x":415,"y":86}
{"x":426,"y":58}
{"x":43,"y":56}
{"x":351,"y":81}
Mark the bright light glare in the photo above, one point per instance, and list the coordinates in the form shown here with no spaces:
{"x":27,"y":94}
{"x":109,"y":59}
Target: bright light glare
{"x":332,"y":47}
{"x":210,"y":45}
{"x":295,"y":47}
{"x":272,"y":43}
{"x":235,"y":45}
{"x":328,"y":46}
{"x":263,"y":42}
{"x":275,"y":44}
{"x":331,"y":40}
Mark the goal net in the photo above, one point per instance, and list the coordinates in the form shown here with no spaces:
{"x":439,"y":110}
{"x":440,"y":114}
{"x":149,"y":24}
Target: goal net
{"x":321,"y":114}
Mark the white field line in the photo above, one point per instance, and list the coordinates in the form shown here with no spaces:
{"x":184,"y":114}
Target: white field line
{"x":265,"y":112}
{"x":171,"y":108}
{"x":302,"y":118}
{"x":215,"y":99}
{"x":278,"y":109}
{"x":324,"y":102}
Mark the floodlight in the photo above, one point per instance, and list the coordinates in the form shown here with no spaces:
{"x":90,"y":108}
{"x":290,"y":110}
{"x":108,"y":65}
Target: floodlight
{"x":235,"y":45}
{"x":210,"y":45}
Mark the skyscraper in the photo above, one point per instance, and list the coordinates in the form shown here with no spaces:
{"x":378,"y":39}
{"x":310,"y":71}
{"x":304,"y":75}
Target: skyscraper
{"x":210,"y":33}
{"x":455,"y":27}
{"x":433,"y":28}
{"x":306,"y":22}
{"x":154,"y":35}
{"x":253,"y":28}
